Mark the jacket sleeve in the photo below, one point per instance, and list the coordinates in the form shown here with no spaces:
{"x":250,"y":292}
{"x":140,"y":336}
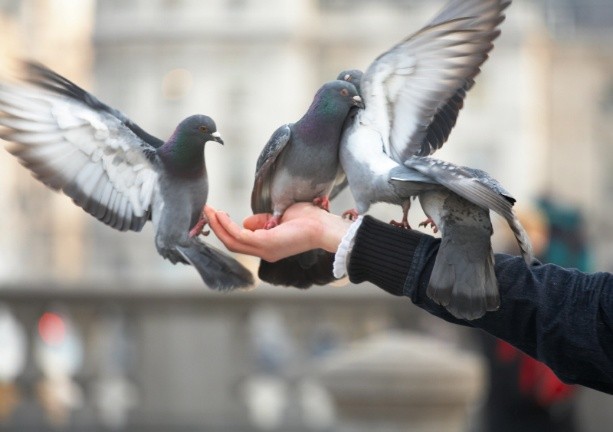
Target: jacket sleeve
{"x":562,"y":317}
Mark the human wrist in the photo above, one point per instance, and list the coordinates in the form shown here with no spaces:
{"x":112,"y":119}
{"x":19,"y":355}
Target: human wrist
{"x":332,"y":230}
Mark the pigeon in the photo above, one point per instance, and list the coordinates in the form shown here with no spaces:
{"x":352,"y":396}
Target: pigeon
{"x":300,"y":163}
{"x":462,"y":278}
{"x":413,"y":94}
{"x":115,"y":170}
{"x":354,"y":76}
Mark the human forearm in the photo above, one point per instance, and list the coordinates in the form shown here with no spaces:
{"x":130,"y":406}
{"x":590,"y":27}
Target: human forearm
{"x":559,"y":316}
{"x":383,"y":255}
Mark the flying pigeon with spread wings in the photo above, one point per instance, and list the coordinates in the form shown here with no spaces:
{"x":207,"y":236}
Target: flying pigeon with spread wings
{"x":116,"y":171}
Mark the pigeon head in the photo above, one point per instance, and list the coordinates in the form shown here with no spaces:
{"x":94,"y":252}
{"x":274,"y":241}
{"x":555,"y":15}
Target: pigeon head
{"x":354,"y":76}
{"x":335,"y":98}
{"x":197,"y":130}
{"x":323,"y":121}
{"x":183,"y":152}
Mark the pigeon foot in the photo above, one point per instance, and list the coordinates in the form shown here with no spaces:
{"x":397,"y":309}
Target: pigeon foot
{"x":430,"y":222}
{"x":199,"y":227}
{"x":322,"y":202}
{"x":351,"y":214}
{"x":404,"y":223}
{"x":272,"y":222}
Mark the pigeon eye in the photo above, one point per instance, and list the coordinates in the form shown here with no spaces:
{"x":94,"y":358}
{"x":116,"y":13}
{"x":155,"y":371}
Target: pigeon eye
{"x":344,"y":92}
{"x":203,"y":129}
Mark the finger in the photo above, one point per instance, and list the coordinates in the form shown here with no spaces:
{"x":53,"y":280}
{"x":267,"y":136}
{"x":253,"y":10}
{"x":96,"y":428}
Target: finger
{"x":246,"y":240}
{"x":220,"y":229}
{"x":228,"y":225}
{"x":231,"y":235}
{"x":257,"y":221}
{"x":209,"y":211}
{"x":211,"y":214}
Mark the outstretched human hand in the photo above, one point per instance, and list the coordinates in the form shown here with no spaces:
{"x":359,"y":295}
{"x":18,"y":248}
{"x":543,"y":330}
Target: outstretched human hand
{"x":303,"y":227}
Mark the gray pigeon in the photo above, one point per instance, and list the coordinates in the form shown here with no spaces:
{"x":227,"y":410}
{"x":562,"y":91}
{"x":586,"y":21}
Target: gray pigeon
{"x":462,"y":278}
{"x":300,"y":164}
{"x":413,"y":94}
{"x":116,"y":171}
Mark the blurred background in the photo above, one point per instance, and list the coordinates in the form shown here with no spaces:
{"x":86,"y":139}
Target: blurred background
{"x":97,"y":332}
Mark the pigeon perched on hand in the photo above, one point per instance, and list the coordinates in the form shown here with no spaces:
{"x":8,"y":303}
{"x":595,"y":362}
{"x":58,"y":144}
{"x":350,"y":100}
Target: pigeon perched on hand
{"x":116,"y":171}
{"x":300,"y":163}
{"x":413,"y":94}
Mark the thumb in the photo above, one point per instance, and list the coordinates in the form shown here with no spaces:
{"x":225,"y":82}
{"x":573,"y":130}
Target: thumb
{"x":256,"y":221}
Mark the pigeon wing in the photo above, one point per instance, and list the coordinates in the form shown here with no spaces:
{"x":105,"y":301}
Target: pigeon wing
{"x":261,"y":201}
{"x":44,"y":77}
{"x":463,"y":182}
{"x":414,"y":91}
{"x":74,"y":143}
{"x":477,"y":187}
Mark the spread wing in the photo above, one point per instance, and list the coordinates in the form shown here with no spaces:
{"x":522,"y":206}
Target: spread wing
{"x":74,"y":143}
{"x":414,"y":91}
{"x":261,"y":201}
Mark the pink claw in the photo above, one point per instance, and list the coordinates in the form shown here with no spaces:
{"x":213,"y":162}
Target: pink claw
{"x":272,"y":222}
{"x":322,"y":202}
{"x":351,"y":214}
{"x":429,"y":222}
{"x":199,"y":227}
{"x":402,"y":224}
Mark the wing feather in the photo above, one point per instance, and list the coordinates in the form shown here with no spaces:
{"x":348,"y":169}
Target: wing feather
{"x":74,"y":143}
{"x":261,"y":201}
{"x":413,"y":93}
{"x":477,"y":187}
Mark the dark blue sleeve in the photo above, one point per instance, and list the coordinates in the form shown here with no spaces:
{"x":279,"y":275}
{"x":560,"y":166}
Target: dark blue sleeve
{"x":561,"y":317}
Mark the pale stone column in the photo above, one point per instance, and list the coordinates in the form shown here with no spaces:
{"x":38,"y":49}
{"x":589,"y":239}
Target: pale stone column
{"x":403,"y":382}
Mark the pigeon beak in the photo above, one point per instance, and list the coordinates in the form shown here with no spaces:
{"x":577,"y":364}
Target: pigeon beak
{"x":357,"y":101}
{"x":217,"y":137}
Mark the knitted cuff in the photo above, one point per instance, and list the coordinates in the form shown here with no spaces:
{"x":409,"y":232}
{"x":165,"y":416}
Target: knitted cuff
{"x":382,"y":254}
{"x":344,"y":249}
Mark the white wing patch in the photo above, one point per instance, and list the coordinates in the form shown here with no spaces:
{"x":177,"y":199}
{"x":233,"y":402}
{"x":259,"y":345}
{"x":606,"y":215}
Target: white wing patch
{"x":89,"y":155}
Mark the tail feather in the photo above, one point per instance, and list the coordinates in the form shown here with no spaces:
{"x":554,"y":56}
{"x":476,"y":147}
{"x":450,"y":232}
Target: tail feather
{"x":301,"y":271}
{"x":463,"y":278}
{"x":218,"y":270}
{"x":525,"y":245}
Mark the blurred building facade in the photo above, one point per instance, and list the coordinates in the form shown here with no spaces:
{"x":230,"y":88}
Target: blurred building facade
{"x":540,"y":119}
